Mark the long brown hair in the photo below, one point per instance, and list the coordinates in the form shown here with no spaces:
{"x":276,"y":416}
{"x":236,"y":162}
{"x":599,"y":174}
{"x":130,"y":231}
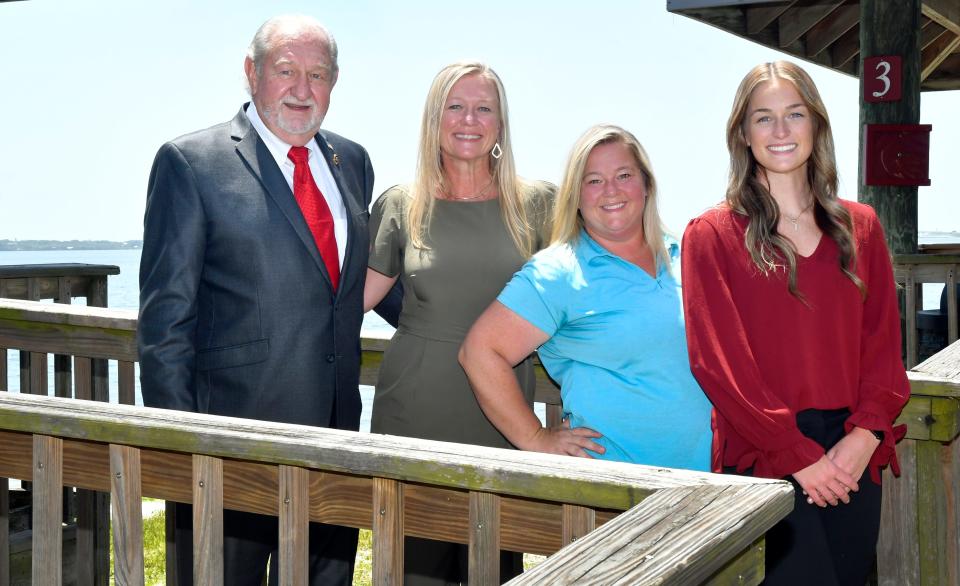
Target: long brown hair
{"x":747,"y":195}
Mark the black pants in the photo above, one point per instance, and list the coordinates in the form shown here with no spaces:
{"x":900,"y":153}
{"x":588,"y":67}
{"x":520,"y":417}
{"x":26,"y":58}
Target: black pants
{"x":249,"y":540}
{"x":834,"y":546}
{"x":437,"y":563}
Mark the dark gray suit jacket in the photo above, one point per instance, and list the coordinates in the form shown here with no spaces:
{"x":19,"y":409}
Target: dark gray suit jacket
{"x":237,"y":315}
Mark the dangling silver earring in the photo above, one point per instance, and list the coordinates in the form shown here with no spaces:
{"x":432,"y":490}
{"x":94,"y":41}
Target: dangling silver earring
{"x":497,"y":152}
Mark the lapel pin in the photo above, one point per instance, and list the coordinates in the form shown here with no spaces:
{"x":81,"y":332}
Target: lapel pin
{"x":336,"y":159}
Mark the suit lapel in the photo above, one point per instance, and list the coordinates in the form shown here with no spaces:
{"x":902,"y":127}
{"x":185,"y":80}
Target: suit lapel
{"x":264,"y":167}
{"x":334,"y":162}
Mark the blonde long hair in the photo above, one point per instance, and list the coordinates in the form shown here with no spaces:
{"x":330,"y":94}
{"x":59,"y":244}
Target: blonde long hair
{"x":747,"y":195}
{"x":567,"y":221}
{"x":430,"y":176}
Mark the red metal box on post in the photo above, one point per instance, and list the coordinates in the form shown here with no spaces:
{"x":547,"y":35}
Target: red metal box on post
{"x":896,"y":154}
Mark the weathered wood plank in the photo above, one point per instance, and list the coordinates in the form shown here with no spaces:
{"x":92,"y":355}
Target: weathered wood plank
{"x":829,"y":30}
{"x":126,"y":385}
{"x":747,"y":569}
{"x":910,"y":317}
{"x":577,"y":522}
{"x":57,"y":270}
{"x":950,"y":480}
{"x":294,"y":506}
{"x":3,"y":370}
{"x":207,"y":521}
{"x":932,"y":385}
{"x":795,"y":22}
{"x":846,"y":47}
{"x":38,"y":374}
{"x":342,"y":499}
{"x":4,"y":532}
{"x":88,"y":316}
{"x":677,"y":536}
{"x":898,"y":559}
{"x":484,"y":548}
{"x":760,"y":17}
{"x":936,"y":53}
{"x":952,"y":321}
{"x":946,"y":13}
{"x":931,"y":515}
{"x":387,"y":526}
{"x":127,"y":515}
{"x":600,"y":484}
{"x":47,"y":510}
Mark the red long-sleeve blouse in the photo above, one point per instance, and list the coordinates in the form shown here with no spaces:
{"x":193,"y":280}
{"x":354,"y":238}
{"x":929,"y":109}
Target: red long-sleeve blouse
{"x":762,"y":355}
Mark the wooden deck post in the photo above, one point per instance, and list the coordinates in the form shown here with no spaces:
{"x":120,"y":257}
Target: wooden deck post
{"x":127,"y":515}
{"x":892,"y":28}
{"x":47,"y":563}
{"x":387,"y":532}
{"x":294,"y":507}
{"x":207,"y":521}
{"x":484,"y":555}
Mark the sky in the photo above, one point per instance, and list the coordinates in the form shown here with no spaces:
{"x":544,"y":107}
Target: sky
{"x":90,"y":89}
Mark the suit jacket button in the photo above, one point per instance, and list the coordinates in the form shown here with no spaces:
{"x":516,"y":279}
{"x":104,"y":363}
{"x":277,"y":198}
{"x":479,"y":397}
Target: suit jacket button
{"x":331,"y":357}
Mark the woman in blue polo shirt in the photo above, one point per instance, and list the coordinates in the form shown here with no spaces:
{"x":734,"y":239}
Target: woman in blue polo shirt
{"x":602,"y":305}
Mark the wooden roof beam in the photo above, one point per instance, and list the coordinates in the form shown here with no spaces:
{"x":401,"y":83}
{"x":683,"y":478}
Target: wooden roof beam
{"x":936,"y":53}
{"x":830,"y":29}
{"x":760,"y":17}
{"x":795,"y":22}
{"x":846,"y":48}
{"x":930,"y":33}
{"x":946,"y":13}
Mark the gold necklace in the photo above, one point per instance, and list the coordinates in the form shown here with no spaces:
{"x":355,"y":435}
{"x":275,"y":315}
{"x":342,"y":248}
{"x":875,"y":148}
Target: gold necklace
{"x":796,"y":219}
{"x":477,"y":195}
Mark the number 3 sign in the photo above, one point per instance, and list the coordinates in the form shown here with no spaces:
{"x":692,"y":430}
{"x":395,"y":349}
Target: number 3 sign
{"x":882,"y":78}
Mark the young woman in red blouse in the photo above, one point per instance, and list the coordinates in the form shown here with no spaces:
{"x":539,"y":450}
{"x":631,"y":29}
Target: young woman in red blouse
{"x":794,"y":332}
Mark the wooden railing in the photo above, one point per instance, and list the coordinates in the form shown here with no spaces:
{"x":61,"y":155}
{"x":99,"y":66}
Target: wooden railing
{"x":911,"y":271}
{"x":678,"y":527}
{"x":83,"y":379}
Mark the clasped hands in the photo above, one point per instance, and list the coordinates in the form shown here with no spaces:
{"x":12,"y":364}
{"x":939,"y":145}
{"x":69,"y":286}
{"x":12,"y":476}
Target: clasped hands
{"x":830,"y":479}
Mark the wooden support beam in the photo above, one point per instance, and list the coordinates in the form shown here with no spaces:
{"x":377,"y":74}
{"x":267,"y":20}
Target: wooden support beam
{"x":127,"y":515}
{"x":207,"y":521}
{"x":937,"y":52}
{"x":946,"y":13}
{"x":931,"y":32}
{"x":894,"y":30}
{"x":795,"y":22}
{"x":484,"y":550}
{"x":47,"y":510}
{"x":846,"y":48}
{"x":832,"y":28}
{"x":387,"y":527}
{"x":761,"y":16}
{"x":126,"y":384}
{"x":4,"y":532}
{"x":294,"y":507}
{"x":577,"y":522}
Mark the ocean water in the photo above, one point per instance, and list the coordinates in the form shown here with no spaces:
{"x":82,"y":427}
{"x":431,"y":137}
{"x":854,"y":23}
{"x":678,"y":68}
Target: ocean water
{"x":123,"y":292}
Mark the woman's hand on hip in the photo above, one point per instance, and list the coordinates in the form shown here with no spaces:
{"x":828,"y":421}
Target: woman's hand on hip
{"x":564,"y":440}
{"x":826,"y":483}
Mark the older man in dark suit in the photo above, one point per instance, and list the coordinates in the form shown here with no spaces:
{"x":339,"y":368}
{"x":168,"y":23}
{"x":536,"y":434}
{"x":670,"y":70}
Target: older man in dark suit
{"x":251,"y":280}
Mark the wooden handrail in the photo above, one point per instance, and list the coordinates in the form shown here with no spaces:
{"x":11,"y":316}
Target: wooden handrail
{"x":488,"y":498}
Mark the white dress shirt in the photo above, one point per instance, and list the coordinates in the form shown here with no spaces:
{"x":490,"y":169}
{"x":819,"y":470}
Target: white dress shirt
{"x":318,"y":167}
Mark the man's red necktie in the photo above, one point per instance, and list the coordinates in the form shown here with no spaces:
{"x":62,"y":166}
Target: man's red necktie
{"x":315,"y":211}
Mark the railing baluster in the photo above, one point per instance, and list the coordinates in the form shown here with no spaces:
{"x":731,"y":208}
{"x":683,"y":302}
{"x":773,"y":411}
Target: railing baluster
{"x":127,"y":514}
{"x":576,"y":522}
{"x":86,"y":499}
{"x":910,"y":308}
{"x":207,"y":521}
{"x":4,"y":485}
{"x":294,"y":509}
{"x":125,"y":382}
{"x":47,"y":510}
{"x":484,"y":556}
{"x":38,"y":374}
{"x":952,"y":304}
{"x":387,"y":531}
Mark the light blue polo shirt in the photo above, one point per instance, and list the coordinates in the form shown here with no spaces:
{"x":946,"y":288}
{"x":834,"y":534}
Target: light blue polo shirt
{"x":618,"y":349}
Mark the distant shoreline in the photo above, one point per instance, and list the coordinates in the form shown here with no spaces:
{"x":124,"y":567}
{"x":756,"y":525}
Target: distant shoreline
{"x":41,"y":245}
